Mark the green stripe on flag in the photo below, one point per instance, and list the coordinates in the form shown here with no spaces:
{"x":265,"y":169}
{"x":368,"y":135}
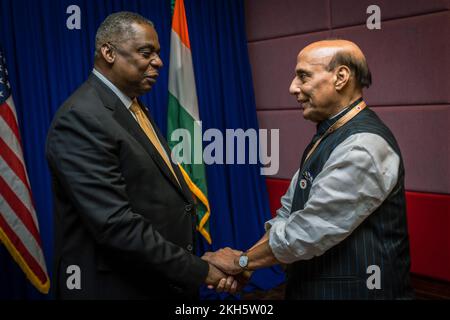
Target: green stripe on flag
{"x":178,"y":118}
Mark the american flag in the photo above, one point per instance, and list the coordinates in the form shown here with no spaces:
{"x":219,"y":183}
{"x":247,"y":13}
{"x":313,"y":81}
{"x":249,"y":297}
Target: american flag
{"x":19,"y":229}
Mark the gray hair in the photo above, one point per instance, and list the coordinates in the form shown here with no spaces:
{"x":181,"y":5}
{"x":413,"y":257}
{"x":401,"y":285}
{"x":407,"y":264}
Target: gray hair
{"x":359,"y":67}
{"x":117,"y":28}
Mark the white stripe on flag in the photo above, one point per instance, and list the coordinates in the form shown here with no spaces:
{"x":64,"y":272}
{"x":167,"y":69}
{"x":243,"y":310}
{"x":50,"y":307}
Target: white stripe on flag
{"x":22,"y":232}
{"x":8,"y":135}
{"x":15,"y":183}
{"x":181,"y":76}
{"x":17,"y":187}
{"x":9,"y":138}
{"x":10,"y":103}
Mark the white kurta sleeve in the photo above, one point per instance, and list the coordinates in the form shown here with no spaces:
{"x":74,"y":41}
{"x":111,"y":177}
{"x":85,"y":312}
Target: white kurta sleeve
{"x":357,"y":177}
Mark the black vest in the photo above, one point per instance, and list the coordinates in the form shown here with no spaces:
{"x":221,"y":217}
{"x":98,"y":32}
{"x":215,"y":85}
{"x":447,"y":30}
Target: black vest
{"x":380,"y":240}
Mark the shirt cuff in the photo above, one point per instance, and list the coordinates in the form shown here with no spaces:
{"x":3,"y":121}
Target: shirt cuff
{"x":278,"y":243}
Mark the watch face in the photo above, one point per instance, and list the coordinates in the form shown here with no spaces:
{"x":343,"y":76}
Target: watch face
{"x":243,"y":261}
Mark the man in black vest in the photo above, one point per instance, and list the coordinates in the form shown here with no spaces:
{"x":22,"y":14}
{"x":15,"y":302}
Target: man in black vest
{"x":342,"y":227}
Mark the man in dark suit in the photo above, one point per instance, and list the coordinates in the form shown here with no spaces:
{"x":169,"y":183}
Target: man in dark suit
{"x":124,"y":216}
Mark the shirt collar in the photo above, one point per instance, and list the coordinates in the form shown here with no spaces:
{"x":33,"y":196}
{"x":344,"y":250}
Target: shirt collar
{"x":123,"y":97}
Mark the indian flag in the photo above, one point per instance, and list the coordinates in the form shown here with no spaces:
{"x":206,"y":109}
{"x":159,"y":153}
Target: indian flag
{"x":183,"y":114}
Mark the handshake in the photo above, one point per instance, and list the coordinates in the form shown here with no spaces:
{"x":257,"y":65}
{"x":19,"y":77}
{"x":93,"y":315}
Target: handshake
{"x":225,"y":274}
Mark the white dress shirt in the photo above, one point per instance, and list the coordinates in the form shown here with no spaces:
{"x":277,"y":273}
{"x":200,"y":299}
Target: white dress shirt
{"x":357,"y":177}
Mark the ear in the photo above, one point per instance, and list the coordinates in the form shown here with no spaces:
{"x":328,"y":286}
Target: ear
{"x":342,"y":76}
{"x":108,"y":53}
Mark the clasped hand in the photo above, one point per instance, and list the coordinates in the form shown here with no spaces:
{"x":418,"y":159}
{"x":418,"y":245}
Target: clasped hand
{"x":225,"y":274}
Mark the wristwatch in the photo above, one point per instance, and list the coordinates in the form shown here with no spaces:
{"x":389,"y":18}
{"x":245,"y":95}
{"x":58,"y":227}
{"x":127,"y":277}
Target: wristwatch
{"x":243,"y":261}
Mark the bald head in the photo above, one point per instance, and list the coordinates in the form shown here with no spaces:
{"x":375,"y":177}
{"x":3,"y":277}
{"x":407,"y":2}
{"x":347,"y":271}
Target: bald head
{"x":328,"y":48}
{"x":335,"y":53}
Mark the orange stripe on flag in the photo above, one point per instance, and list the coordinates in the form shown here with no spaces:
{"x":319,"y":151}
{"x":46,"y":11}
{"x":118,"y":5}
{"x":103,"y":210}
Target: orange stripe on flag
{"x":179,"y":23}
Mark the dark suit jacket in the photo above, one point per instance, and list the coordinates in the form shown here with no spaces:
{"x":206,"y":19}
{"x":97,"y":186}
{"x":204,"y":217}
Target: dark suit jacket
{"x":120,"y":215}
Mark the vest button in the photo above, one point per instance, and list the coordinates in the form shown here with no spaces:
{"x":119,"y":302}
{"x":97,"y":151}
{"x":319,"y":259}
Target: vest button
{"x":188,"y":208}
{"x":189,"y":247}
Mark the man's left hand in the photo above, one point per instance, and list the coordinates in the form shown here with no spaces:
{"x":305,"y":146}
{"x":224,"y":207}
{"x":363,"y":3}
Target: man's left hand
{"x":225,"y":259}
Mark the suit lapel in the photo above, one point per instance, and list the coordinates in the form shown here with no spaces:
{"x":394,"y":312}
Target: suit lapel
{"x":165,"y":145}
{"x":126,"y":120}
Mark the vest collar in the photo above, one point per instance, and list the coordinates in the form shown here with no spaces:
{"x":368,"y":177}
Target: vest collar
{"x":324,"y":125}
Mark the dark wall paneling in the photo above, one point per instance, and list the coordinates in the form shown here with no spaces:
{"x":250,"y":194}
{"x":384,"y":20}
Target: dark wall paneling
{"x":273,"y":64}
{"x":407,"y":58}
{"x":352,"y":12}
{"x":273,"y":18}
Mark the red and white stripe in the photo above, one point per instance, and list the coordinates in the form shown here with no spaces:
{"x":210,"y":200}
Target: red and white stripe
{"x":19,"y":228}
